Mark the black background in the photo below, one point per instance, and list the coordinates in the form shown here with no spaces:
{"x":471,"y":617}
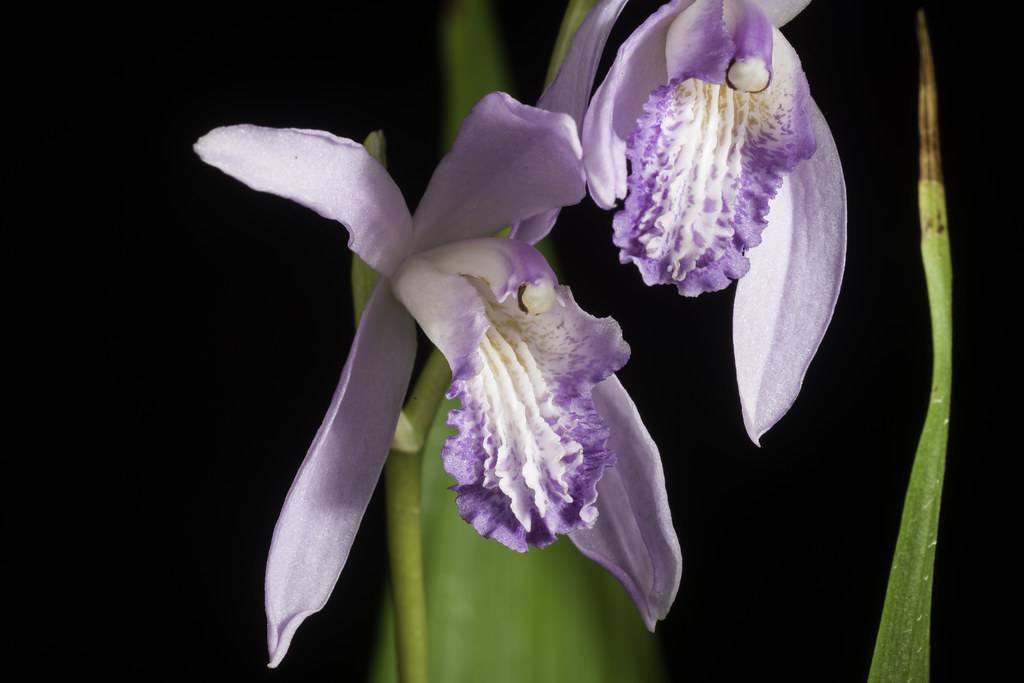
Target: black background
{"x":227,"y":319}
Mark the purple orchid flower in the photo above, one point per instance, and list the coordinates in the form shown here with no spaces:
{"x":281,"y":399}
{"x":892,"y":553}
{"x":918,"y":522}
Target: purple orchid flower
{"x":549,"y":442}
{"x":708,"y":103}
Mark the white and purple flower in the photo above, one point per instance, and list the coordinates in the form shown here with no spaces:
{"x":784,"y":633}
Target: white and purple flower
{"x":549,"y":442}
{"x":705,"y":127}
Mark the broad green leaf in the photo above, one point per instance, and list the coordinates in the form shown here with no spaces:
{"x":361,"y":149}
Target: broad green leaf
{"x":902,"y":646}
{"x":499,"y":616}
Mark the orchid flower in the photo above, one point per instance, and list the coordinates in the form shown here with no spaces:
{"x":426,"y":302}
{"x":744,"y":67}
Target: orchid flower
{"x":549,"y":442}
{"x":708,"y":104}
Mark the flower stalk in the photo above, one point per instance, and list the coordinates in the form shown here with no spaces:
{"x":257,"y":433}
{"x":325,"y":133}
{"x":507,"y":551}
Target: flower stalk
{"x":902,"y":646}
{"x":402,"y":476}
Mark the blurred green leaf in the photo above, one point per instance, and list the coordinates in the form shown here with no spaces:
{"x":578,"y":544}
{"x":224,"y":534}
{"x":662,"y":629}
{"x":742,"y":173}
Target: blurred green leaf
{"x":503,"y":617}
{"x":473,"y":59}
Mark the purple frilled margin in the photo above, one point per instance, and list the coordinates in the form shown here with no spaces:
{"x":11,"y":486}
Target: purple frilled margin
{"x":716,"y":170}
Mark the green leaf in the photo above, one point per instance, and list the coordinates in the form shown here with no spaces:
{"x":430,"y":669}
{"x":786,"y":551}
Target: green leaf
{"x":499,"y":616}
{"x":902,"y":646}
{"x":473,"y":60}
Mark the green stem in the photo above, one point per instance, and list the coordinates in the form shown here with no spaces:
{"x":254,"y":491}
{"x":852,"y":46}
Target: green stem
{"x":405,"y":546}
{"x":902,"y":646}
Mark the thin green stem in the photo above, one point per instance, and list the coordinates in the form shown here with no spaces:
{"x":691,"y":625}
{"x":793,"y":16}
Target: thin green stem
{"x":902,"y":646}
{"x":405,"y":545}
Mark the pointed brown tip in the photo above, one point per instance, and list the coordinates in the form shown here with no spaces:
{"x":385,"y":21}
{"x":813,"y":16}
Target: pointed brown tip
{"x":928,"y":114}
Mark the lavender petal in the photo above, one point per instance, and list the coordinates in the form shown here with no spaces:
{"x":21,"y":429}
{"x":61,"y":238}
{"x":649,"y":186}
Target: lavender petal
{"x":785,"y":303}
{"x":781,"y":12}
{"x":445,"y":289}
{"x":570,"y":93}
{"x":509,"y":162}
{"x":706,"y":162}
{"x":332,"y":488}
{"x":531,"y":446}
{"x":633,"y":537}
{"x":639,"y":68}
{"x":333,"y":176}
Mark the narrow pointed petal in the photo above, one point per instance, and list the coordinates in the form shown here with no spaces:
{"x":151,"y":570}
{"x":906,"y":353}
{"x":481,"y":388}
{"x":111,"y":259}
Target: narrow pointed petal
{"x":326,"y":502}
{"x":509,"y":162}
{"x":781,"y":12}
{"x":639,"y":68}
{"x":333,"y":176}
{"x":633,"y":537}
{"x":570,"y":93}
{"x":784,"y":304}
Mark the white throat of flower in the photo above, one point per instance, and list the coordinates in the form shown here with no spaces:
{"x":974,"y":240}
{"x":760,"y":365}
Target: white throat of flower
{"x":525,"y":457}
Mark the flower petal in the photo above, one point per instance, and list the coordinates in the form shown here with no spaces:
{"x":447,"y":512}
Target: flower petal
{"x":509,"y":162}
{"x":531,"y":447}
{"x":335,"y":177}
{"x":326,"y":502}
{"x":633,"y":537}
{"x":446,"y":306}
{"x":437,"y":287}
{"x":535,"y":228}
{"x":706,"y":160}
{"x":780,"y":12}
{"x":570,"y":93}
{"x":784,"y":304}
{"x":639,"y":68}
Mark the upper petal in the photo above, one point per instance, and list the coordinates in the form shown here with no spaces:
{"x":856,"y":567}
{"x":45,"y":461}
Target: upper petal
{"x":570,"y":92}
{"x":639,"y":68}
{"x":784,"y":304}
{"x":780,"y":12}
{"x":633,"y":537}
{"x":329,"y":495}
{"x":509,"y":161}
{"x":334,"y":176}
